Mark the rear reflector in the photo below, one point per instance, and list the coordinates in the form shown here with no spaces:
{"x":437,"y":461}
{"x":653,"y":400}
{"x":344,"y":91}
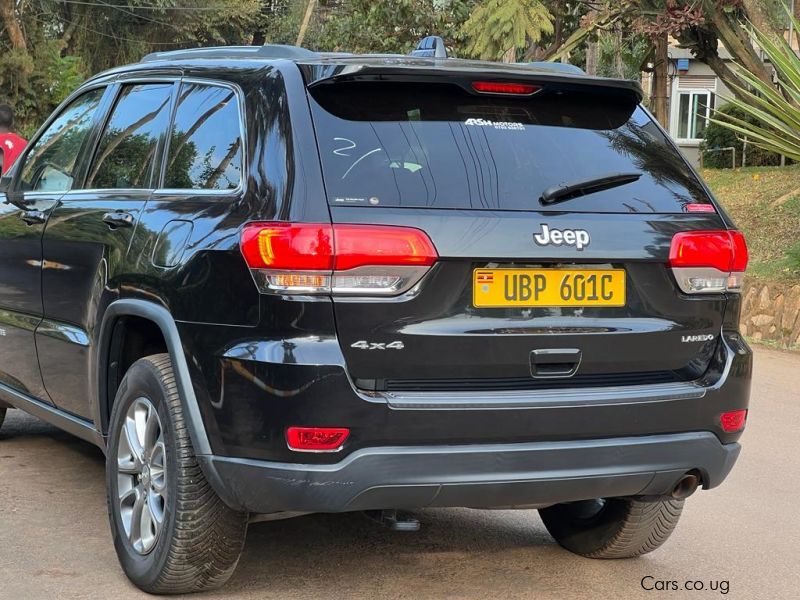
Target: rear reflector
{"x":497,"y":87}
{"x":733,"y":421}
{"x":316,"y":439}
{"x":708,"y":261}
{"x":340,"y":259}
{"x":700,"y":208}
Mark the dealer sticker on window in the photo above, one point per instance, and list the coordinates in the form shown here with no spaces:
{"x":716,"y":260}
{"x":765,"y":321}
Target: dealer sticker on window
{"x":504,"y":125}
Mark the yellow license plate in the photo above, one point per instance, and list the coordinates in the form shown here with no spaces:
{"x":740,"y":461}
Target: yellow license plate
{"x":497,"y":288}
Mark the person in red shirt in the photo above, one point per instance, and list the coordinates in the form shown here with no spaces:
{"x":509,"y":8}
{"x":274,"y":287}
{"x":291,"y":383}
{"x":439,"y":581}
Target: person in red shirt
{"x":11,"y":145}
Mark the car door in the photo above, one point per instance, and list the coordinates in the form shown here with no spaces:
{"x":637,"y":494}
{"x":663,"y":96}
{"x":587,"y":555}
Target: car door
{"x":203,"y":175}
{"x":87,"y":240}
{"x":48,"y":170}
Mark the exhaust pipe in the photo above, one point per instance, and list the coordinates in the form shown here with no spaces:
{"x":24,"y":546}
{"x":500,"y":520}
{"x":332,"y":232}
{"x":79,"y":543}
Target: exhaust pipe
{"x":686,"y":486}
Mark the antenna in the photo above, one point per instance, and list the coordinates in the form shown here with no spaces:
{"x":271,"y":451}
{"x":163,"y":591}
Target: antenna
{"x":430,"y":47}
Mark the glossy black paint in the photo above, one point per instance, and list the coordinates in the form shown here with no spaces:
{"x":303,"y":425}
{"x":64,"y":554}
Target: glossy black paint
{"x":83,"y":257}
{"x":447,"y":337}
{"x":251,"y":364}
{"x":255,"y":388}
{"x":21,"y":295}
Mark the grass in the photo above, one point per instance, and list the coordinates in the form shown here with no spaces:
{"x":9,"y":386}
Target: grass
{"x":765,"y":204}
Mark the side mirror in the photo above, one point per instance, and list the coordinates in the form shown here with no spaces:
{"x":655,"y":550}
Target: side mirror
{"x":10,"y":196}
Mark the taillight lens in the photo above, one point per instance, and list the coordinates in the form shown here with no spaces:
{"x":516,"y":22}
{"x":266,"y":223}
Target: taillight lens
{"x":501,"y":87}
{"x":362,"y":245}
{"x":287,"y":246}
{"x":707,"y":262}
{"x":316,"y":439}
{"x":340,"y":259}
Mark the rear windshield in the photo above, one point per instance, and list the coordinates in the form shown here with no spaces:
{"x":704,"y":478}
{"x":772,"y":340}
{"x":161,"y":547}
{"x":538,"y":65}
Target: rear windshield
{"x":438,"y":146}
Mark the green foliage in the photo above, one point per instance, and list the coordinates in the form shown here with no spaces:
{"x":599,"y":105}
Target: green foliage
{"x":716,"y":135}
{"x":497,"y":27}
{"x":391,"y":26}
{"x":622,"y":55}
{"x":34,"y":84}
{"x":775,"y":112}
{"x":793,"y":255}
{"x":280,"y":23}
{"x":67,"y":41}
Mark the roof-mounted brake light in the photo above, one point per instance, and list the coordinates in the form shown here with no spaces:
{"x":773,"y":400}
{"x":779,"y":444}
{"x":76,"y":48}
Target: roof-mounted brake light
{"x":506,"y":88}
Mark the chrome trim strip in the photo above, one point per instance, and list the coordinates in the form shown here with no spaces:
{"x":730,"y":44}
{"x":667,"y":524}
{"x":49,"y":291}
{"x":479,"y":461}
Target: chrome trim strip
{"x":553,"y":398}
{"x":19,"y":320}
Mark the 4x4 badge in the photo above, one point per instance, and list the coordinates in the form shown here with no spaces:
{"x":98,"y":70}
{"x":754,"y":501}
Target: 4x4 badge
{"x":556,"y":237}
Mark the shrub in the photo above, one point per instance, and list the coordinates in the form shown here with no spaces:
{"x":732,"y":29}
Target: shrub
{"x":718,"y":136}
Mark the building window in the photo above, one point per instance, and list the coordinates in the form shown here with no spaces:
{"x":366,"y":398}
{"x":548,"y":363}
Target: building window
{"x":694,"y":108}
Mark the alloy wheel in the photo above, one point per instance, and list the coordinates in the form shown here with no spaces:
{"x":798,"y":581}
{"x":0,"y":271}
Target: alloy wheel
{"x":142,"y":475}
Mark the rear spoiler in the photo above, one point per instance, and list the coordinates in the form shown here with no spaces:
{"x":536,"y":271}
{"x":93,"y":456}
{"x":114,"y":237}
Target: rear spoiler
{"x":460,"y":72}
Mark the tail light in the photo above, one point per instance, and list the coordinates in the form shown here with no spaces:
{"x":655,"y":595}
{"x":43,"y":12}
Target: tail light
{"x":707,"y":262}
{"x":509,"y":89}
{"x":360,"y":260}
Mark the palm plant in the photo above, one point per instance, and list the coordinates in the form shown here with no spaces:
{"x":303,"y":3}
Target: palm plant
{"x":775,"y":110}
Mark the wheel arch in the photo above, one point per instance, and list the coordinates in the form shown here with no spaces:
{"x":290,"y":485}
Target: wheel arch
{"x":162,"y":319}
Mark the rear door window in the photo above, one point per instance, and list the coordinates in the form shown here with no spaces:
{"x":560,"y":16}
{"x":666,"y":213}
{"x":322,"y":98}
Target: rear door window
{"x":125,"y":156}
{"x":438,"y":146}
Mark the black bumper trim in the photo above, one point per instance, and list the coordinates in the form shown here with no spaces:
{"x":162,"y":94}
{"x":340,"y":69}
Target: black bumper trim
{"x":480,"y":475}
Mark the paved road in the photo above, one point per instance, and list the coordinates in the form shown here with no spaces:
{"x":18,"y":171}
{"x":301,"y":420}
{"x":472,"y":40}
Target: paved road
{"x":55,"y":543}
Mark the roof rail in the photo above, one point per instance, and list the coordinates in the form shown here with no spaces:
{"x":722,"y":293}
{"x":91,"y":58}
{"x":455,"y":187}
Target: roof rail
{"x":266,"y":51}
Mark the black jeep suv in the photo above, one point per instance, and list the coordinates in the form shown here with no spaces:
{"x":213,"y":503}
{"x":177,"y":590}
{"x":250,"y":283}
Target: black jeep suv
{"x":272,"y":282}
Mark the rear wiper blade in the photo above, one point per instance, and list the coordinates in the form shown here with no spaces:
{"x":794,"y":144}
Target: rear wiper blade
{"x":559,"y":193}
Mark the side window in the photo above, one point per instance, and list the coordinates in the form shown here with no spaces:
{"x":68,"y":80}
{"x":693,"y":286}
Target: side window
{"x":124,"y":158}
{"x":205,"y":151}
{"x":50,"y":164}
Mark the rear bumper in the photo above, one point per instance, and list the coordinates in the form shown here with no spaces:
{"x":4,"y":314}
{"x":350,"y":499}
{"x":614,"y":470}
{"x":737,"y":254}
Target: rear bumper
{"x":479,"y":476}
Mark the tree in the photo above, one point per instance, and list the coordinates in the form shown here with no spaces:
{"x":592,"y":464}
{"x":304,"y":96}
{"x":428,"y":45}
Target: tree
{"x":699,"y":25}
{"x":772,"y":114}
{"x":8,"y":12}
{"x":48,"y":46}
{"x":389,"y":26}
{"x":499,"y":28}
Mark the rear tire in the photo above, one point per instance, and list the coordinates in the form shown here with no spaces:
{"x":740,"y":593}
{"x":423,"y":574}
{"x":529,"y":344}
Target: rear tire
{"x":172,"y":533}
{"x":612,"y":528}
{"x":2,"y":416}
